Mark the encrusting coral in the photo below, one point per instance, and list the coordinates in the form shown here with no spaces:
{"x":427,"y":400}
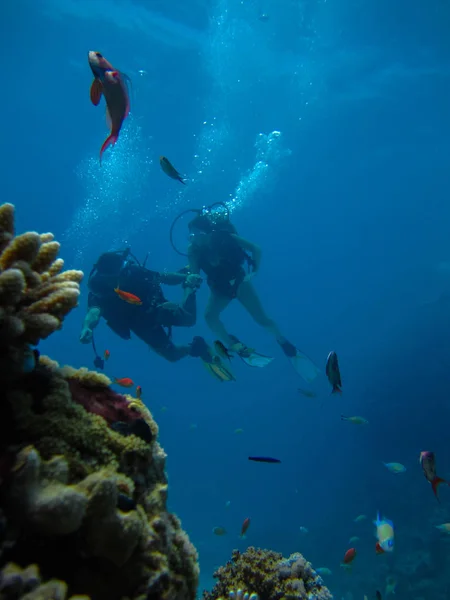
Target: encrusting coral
{"x":269,"y":576}
{"x":83,"y":488}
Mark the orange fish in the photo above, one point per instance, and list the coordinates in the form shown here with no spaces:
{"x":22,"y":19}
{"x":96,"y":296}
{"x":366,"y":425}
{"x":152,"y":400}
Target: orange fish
{"x":170,"y":170}
{"x":112,"y":84}
{"x":138,"y":392}
{"x":124,"y":382}
{"x":127,"y":297}
{"x":349,"y":556}
{"x":107,"y":354}
{"x":245,"y":526}
{"x":378,"y":548}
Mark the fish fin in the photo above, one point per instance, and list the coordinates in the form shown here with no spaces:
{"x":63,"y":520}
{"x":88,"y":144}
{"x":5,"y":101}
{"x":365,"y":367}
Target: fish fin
{"x":96,"y":92}
{"x":108,"y":119}
{"x":336,"y":390}
{"x":435,"y":484}
{"x":127,"y":80}
{"x":181,"y":179}
{"x":110,"y":141}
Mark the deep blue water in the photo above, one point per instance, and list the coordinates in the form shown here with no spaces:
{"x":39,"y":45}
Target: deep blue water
{"x":350,"y":205}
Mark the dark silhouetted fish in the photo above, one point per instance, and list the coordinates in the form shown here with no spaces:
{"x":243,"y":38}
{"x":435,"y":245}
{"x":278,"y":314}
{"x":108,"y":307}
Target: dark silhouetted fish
{"x":264,"y":459}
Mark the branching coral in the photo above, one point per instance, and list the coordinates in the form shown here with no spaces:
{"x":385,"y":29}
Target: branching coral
{"x":270,"y":576}
{"x":35,"y":294}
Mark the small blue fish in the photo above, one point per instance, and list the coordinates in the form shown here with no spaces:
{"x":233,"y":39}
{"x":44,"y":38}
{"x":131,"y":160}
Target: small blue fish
{"x":395,"y":467}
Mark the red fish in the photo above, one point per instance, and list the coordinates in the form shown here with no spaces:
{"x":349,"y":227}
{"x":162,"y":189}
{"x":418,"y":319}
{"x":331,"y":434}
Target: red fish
{"x":127,"y":297}
{"x":349,"y":556}
{"x":138,"y":392}
{"x":107,"y":354}
{"x":245,"y":526}
{"x":428,"y":462}
{"x":170,"y":170}
{"x":124,"y":382}
{"x":112,"y":84}
{"x":378,"y":548}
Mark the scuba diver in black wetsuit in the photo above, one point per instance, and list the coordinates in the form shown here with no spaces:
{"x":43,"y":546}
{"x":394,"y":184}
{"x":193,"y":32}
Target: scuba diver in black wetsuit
{"x":121,"y":272}
{"x":216,"y":249}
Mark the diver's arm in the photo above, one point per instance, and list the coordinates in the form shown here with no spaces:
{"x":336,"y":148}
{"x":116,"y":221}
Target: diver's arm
{"x":254,"y":250}
{"x":194,"y":267}
{"x":172,"y":278}
{"x":190,"y":281}
{"x":91,"y":320}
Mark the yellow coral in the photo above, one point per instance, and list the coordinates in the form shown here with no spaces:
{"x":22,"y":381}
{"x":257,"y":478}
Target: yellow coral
{"x":32,"y":286}
{"x":88,"y":378}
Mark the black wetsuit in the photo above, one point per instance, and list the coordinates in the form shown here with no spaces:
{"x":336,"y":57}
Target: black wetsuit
{"x":149,"y":320}
{"x":225,"y":277}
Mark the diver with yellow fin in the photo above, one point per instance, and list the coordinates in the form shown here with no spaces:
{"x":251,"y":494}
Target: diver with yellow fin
{"x":229,"y":262}
{"x":130,"y":298}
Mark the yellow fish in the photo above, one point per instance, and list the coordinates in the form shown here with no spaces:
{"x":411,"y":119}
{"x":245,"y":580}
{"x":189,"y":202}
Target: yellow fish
{"x":355,"y":420}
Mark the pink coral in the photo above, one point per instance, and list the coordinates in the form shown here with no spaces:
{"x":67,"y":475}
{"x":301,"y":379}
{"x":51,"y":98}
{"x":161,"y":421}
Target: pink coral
{"x":104,"y":402}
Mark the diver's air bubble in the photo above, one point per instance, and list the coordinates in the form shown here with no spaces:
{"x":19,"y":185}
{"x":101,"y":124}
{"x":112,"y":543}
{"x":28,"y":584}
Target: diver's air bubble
{"x":262,"y":177}
{"x":112,"y":208}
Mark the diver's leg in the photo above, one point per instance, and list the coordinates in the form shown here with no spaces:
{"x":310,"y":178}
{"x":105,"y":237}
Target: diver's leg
{"x":170,"y":314}
{"x":249,"y":299}
{"x":216,"y":305}
{"x":159,"y":341}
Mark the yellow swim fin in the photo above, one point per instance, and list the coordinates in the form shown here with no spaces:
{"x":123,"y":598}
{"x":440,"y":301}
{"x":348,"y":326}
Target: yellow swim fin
{"x":217,"y":369}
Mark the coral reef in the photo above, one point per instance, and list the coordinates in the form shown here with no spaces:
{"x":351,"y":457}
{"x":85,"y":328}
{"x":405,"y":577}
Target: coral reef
{"x":83,"y":488}
{"x":268,"y":575}
{"x":93,"y":497}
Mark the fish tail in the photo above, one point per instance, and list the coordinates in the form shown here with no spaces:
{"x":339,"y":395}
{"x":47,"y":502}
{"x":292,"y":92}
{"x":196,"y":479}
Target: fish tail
{"x":435,"y":484}
{"x":110,"y":141}
{"x":336,"y":390}
{"x":344,"y":418}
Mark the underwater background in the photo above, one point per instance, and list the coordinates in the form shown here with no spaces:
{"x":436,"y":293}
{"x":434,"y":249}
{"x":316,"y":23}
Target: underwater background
{"x":325,"y":126}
